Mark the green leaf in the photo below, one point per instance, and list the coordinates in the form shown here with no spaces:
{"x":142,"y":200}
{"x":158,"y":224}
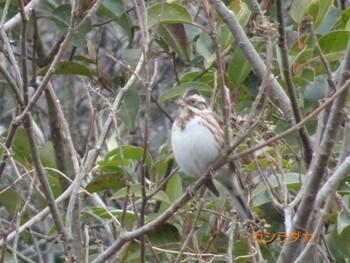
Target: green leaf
{"x":243,"y":14}
{"x":105,"y":182}
{"x":207,"y":77}
{"x":68,"y":68}
{"x":116,"y":7}
{"x":166,"y":13}
{"x":334,"y":44}
{"x":299,"y":9}
{"x":129,"y":216}
{"x":238,"y":68}
{"x":20,"y":148}
{"x":113,"y":157}
{"x":203,"y":47}
{"x":192,"y":31}
{"x":180,"y":89}
{"x":315,"y":91}
{"x":331,"y":21}
{"x":126,"y":23}
{"x":129,"y":108}
{"x":47,"y":156}
{"x":318,"y":10}
{"x":334,"y":248}
{"x":84,"y":59}
{"x":131,"y":57}
{"x":113,"y":9}
{"x":341,"y":233}
{"x":164,"y":236}
{"x":9,"y":198}
{"x":262,"y":200}
{"x":54,"y":185}
{"x":225,"y":39}
{"x":173,"y":191}
{"x":135,"y":191}
{"x":174,"y":35}
{"x":61,"y":17}
{"x":345,"y":15}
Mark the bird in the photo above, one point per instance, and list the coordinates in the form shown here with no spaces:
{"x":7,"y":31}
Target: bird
{"x":197,"y":140}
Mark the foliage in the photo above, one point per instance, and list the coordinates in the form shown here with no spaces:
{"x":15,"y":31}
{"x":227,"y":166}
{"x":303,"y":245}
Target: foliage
{"x":87,"y":98}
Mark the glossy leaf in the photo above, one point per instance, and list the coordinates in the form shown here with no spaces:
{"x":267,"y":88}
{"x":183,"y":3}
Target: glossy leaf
{"x":173,"y":191}
{"x":345,"y":19}
{"x":20,"y":148}
{"x":47,"y":156}
{"x":299,"y":9}
{"x":68,"y":68}
{"x":204,"y":48}
{"x":315,"y":91}
{"x":238,"y":68}
{"x":334,"y":248}
{"x":207,"y":77}
{"x":113,"y":157}
{"x":174,"y":35}
{"x":61,"y":17}
{"x":135,"y":191}
{"x":318,"y":10}
{"x":333,"y":44}
{"x":8,"y":200}
{"x":180,"y":89}
{"x":331,"y":22}
{"x":292,"y":182}
{"x":225,"y":39}
{"x":105,"y":182}
{"x":112,"y":9}
{"x":129,"y":108}
{"x":165,"y":236}
{"x":342,"y":233}
{"x":167,"y":13}
{"x":106,"y":214}
{"x":115,"y":7}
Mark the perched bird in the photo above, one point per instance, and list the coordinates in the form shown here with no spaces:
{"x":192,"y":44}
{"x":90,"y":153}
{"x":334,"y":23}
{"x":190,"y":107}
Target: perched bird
{"x":197,"y":140}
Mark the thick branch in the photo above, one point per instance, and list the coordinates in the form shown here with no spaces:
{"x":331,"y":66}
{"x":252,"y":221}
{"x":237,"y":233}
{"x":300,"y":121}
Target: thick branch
{"x":301,"y":219}
{"x":253,"y":57}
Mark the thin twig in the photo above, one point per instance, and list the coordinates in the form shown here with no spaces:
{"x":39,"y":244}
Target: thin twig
{"x":316,"y":172}
{"x":193,"y":229}
{"x":253,"y":57}
{"x":296,"y":126}
{"x":93,"y":153}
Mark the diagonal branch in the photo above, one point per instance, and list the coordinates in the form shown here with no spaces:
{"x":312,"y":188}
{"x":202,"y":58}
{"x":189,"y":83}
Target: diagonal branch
{"x":253,"y":57}
{"x":316,"y":170}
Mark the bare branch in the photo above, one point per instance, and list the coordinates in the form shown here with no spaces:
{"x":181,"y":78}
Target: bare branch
{"x":253,"y":57}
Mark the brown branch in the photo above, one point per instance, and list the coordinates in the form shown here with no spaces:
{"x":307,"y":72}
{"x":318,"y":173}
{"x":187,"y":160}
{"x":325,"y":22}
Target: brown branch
{"x":93,"y":153}
{"x":303,"y":134}
{"x":24,"y":50}
{"x":126,"y":236}
{"x":221,"y":73}
{"x":296,"y":126}
{"x":253,"y":57}
{"x":18,"y":120}
{"x":316,"y":171}
{"x":56,"y":215}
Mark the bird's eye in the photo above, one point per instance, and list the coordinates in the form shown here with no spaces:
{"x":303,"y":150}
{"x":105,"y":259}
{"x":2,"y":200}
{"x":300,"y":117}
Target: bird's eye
{"x":193,"y":101}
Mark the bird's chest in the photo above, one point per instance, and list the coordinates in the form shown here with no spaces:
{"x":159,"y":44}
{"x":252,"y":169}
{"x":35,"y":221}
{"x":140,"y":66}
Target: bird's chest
{"x":195,"y":145}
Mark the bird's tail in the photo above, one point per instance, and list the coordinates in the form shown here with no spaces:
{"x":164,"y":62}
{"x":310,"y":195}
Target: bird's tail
{"x":227,"y":178}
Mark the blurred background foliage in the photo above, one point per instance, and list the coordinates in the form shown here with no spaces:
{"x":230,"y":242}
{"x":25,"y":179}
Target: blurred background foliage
{"x":101,"y":57}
